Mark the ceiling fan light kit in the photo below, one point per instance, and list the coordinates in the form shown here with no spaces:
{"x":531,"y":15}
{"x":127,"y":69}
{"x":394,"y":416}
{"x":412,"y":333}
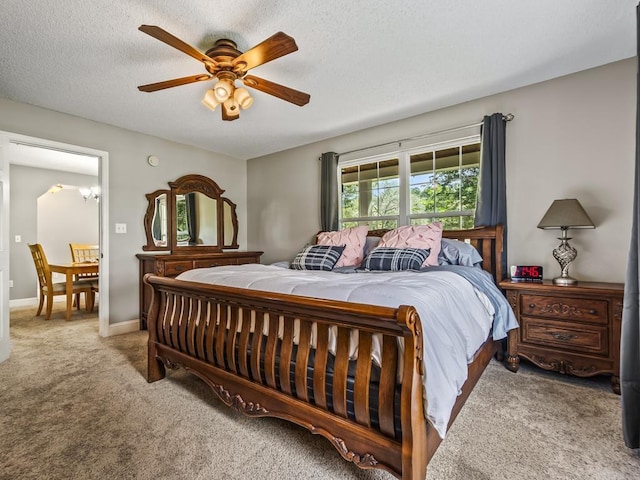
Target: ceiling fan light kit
{"x":223,"y":89}
{"x":243,"y":98}
{"x":226,"y":64}
{"x":209,"y":100}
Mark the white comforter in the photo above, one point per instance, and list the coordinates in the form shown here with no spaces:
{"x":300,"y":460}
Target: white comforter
{"x":456,"y":317}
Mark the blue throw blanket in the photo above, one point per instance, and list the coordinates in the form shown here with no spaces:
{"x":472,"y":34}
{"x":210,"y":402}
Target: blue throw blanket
{"x":505,"y":319}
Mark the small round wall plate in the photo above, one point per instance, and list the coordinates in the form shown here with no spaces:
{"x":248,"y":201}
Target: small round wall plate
{"x":153,"y":160}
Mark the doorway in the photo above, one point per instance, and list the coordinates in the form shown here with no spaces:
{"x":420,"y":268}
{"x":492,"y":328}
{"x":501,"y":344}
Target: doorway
{"x":12,"y":144}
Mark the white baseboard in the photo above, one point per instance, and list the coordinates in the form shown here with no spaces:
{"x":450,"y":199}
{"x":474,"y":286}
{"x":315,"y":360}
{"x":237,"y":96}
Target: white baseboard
{"x":33,"y":301}
{"x":24,"y":302}
{"x":123,"y":327}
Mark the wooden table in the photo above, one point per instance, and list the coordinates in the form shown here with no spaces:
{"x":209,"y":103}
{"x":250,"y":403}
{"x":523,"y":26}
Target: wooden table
{"x":69,"y":270}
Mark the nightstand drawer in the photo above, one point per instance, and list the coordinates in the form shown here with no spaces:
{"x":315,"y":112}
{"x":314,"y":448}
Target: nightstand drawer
{"x":580,"y":309}
{"x":172,"y":269}
{"x":564,"y":336}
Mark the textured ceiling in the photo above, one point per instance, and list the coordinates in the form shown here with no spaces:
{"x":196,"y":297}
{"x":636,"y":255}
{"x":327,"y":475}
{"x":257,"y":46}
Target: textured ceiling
{"x":364,"y":63}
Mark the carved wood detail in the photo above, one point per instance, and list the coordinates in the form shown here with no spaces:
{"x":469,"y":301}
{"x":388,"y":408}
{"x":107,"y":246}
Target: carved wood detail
{"x":413,"y":322}
{"x":563,"y":366}
{"x":238,"y":403}
{"x":560,"y":308}
{"x":363,"y":461}
{"x":202,"y":185}
{"x":512,"y":298}
{"x":617,"y":310}
{"x":159,"y":268}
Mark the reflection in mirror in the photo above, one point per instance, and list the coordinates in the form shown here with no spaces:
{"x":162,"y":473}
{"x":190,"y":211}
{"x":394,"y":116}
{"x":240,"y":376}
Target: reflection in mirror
{"x":196,"y":223}
{"x":160,"y":221}
{"x":229,"y":230}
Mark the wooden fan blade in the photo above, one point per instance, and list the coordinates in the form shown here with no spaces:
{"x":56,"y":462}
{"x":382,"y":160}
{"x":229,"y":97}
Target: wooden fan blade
{"x":176,"y":82}
{"x":280,"y":91}
{"x":175,"y":42}
{"x":273,"y":47}
{"x":228,"y":114}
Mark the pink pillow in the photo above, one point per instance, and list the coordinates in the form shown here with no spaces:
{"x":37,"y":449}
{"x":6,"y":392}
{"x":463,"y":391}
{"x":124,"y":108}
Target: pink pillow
{"x":352,"y":238}
{"x":416,"y":236}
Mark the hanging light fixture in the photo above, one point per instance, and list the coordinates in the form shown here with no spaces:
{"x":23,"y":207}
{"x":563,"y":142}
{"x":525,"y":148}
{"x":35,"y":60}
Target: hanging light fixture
{"x":93,"y":192}
{"x":225,"y":92}
{"x":243,"y":98}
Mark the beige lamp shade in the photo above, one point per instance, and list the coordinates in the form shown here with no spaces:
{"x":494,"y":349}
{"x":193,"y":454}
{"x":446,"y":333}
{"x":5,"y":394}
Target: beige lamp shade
{"x":223,"y":89}
{"x":210,"y":100}
{"x":243,"y":98}
{"x":564,"y":214}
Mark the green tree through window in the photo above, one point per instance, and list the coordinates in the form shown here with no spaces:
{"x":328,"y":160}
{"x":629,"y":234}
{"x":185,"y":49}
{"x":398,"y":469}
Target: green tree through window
{"x":441,"y":185}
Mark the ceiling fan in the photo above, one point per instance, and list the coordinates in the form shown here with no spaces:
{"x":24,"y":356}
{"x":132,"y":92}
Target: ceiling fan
{"x":227,"y":64}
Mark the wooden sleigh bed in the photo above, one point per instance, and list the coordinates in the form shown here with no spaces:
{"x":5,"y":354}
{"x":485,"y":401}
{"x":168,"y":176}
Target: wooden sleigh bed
{"x":371,"y":417}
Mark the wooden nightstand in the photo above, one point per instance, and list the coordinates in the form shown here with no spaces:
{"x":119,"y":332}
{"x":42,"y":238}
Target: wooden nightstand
{"x":574,"y":330}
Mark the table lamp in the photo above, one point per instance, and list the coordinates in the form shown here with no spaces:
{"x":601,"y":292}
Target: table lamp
{"x":565,"y":214}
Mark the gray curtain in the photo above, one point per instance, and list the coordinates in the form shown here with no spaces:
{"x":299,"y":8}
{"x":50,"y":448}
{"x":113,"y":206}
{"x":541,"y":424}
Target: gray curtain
{"x":630,"y":341}
{"x":192,"y":218}
{"x":491,"y":205}
{"x":329,"y":192}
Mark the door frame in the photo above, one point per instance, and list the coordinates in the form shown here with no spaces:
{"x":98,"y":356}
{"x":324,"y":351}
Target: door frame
{"x":103,"y":181}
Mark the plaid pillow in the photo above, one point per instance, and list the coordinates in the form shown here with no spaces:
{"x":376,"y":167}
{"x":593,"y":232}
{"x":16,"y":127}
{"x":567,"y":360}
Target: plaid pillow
{"x":317,"y":257}
{"x":394,"y":259}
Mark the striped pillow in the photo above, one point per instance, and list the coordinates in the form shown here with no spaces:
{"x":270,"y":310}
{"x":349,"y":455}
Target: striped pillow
{"x":395,"y":259}
{"x":317,"y":257}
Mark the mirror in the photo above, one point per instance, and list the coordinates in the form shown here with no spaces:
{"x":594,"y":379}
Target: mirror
{"x":156,"y":221}
{"x":196,"y":219}
{"x":192,"y":216}
{"x":230,"y":223}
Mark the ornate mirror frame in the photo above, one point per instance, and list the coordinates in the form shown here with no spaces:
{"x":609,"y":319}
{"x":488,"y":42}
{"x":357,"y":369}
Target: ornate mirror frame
{"x":224,"y":221}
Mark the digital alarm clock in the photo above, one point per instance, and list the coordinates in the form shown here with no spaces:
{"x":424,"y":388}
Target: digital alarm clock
{"x":526,"y":273}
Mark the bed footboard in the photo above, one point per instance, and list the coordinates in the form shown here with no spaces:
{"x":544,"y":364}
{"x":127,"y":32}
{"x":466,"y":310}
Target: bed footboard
{"x":291,"y":357}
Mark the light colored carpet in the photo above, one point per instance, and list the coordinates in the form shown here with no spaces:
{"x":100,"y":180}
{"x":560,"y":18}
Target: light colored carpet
{"x":76,"y":406}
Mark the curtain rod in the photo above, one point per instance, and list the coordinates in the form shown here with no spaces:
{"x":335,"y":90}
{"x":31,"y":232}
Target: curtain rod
{"x":507,"y":118}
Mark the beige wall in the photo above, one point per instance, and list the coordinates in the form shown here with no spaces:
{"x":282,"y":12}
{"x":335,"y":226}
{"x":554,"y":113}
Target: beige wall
{"x":130,"y":177}
{"x":572,"y":137}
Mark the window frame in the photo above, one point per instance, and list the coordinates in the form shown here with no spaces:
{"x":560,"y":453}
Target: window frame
{"x":403,"y":155}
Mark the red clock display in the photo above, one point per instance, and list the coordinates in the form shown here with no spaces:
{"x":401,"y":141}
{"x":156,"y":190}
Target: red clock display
{"x":526,"y":272}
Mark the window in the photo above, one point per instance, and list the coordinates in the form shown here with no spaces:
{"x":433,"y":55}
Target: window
{"x":370,"y":193}
{"x":412,"y":187}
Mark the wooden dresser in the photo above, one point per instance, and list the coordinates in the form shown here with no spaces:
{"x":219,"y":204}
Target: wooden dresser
{"x":569,"y":329}
{"x":172,"y":265}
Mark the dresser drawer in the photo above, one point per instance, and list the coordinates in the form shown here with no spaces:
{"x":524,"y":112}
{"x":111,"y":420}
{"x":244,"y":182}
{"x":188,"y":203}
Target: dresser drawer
{"x":215,"y":262}
{"x":565,"y":336}
{"x":174,"y":268}
{"x":580,"y":309}
{"x":244,"y":260}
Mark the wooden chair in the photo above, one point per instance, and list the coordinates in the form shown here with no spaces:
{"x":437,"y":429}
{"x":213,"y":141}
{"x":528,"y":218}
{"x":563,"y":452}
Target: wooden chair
{"x":83,"y":253}
{"x":48,"y":288}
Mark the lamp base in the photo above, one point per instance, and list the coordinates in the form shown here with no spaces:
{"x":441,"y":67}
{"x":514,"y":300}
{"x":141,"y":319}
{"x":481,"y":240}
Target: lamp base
{"x":564,"y":281}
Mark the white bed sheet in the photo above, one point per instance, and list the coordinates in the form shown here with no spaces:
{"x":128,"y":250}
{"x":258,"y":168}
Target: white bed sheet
{"x":456,"y":317}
